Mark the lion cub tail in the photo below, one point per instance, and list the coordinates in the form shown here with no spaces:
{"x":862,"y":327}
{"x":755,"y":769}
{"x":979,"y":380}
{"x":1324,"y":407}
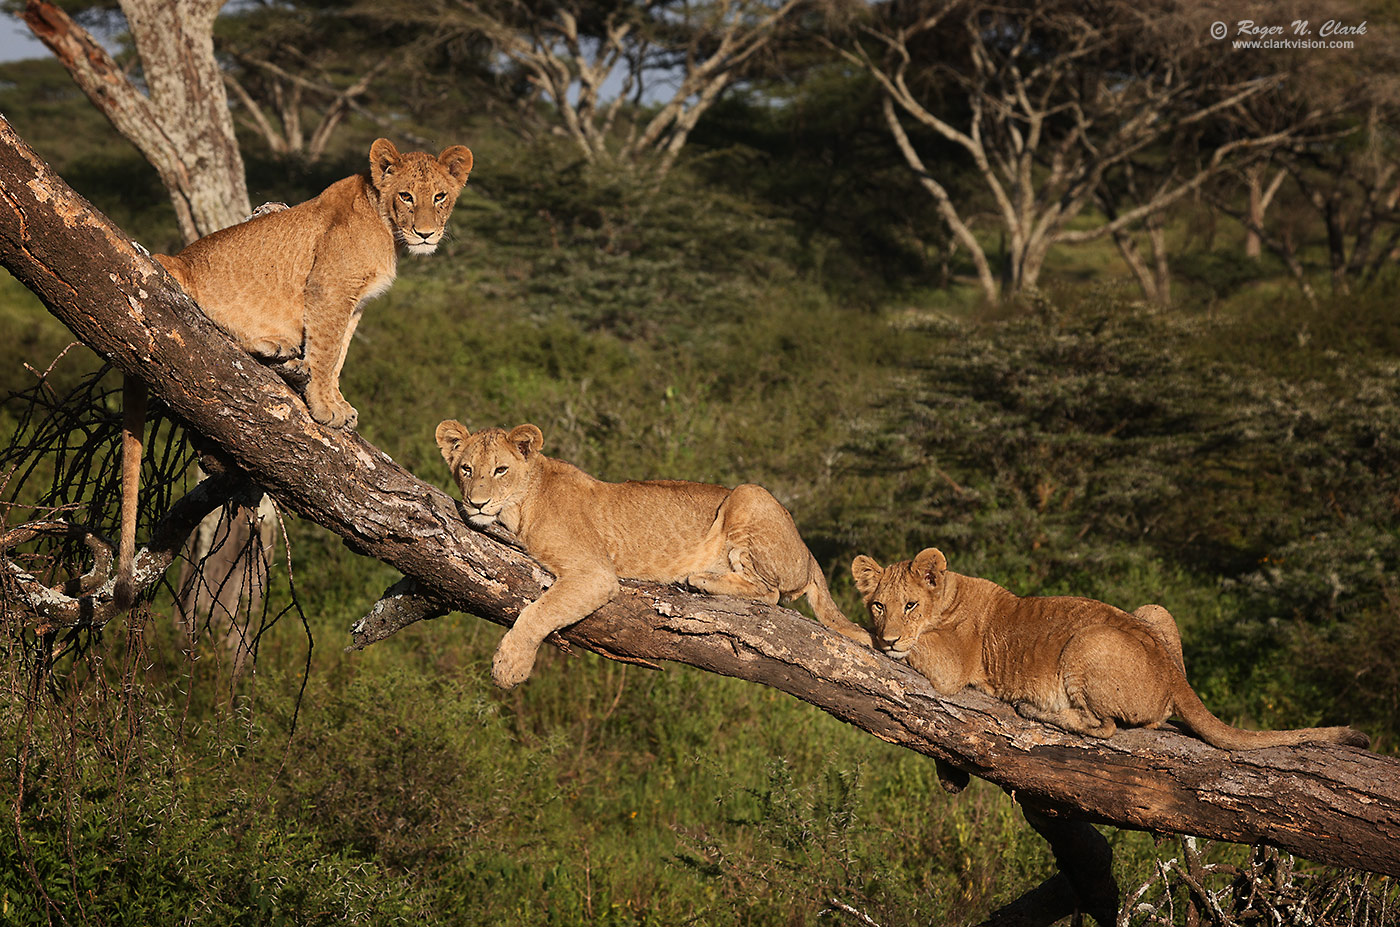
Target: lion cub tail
{"x":825,"y":608}
{"x":1219,"y":734}
{"x":133,"y":436}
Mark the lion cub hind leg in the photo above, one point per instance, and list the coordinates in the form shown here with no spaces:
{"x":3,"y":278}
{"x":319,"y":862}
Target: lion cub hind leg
{"x":273,"y":350}
{"x":1114,"y":674}
{"x":1074,"y":720}
{"x":1163,"y":627}
{"x":759,"y":538}
{"x":738,"y":582}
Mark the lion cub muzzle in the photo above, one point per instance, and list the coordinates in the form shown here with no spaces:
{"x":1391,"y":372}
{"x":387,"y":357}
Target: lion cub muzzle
{"x":478,"y":515}
{"x":895,"y":648}
{"x":426,"y":242}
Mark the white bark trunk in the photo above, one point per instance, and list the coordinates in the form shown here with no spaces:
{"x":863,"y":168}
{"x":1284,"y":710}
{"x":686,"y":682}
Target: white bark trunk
{"x":182,"y":126}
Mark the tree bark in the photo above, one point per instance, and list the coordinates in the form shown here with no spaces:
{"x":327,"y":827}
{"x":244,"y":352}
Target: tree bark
{"x":1331,"y":804}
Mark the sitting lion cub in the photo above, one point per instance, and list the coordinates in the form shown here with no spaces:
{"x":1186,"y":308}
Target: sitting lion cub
{"x":589,"y":534}
{"x":289,"y":285}
{"x":1076,"y":663}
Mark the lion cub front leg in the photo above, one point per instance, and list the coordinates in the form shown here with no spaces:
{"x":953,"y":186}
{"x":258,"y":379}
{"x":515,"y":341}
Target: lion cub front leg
{"x":575,"y":595}
{"x":331,"y":318}
{"x":938,"y":658}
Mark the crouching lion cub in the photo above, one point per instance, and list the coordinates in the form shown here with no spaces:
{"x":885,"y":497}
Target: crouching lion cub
{"x":589,"y":533}
{"x":1075,"y":663}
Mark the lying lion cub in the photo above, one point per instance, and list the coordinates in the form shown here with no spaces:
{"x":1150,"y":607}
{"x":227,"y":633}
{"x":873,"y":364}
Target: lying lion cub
{"x":1076,"y":663}
{"x":589,"y":534}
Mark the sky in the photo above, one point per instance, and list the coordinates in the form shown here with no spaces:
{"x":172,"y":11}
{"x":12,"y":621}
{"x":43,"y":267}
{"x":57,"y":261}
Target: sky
{"x":16,"y":41}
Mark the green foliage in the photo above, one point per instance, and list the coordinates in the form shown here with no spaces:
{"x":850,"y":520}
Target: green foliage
{"x":819,"y":153}
{"x":136,"y":817}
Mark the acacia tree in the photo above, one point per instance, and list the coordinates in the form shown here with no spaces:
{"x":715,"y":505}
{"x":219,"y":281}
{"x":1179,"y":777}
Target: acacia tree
{"x":1047,"y":104}
{"x":1345,"y":177}
{"x":273,"y":99}
{"x":180,"y":122}
{"x":1353,"y":185}
{"x":625,"y":81}
{"x":298,"y":70}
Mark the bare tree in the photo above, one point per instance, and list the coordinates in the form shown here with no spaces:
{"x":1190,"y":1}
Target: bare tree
{"x":626,"y":82}
{"x":1354,"y":187}
{"x":1046,"y":104}
{"x":297,"y":71}
{"x":1332,"y":804}
{"x":1347,"y":183}
{"x":1345,"y":174}
{"x":1153,"y":279}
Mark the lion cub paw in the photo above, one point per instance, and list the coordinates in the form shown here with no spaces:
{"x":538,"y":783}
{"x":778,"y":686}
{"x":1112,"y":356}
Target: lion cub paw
{"x":295,"y":373}
{"x":512,"y":663}
{"x":336,"y":413}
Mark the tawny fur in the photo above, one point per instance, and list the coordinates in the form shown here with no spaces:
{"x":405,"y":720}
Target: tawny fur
{"x":590,"y":534}
{"x":1076,"y":663}
{"x":289,"y":285}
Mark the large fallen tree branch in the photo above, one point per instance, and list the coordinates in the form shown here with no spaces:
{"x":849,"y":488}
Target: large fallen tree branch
{"x":1334,"y":805}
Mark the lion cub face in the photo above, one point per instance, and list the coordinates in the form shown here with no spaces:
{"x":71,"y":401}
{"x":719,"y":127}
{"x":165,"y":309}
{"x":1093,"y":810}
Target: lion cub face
{"x":417,"y":191}
{"x":492,"y":467}
{"x":905,"y":600}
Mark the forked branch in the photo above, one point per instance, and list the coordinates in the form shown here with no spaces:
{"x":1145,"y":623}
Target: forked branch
{"x":90,"y":600}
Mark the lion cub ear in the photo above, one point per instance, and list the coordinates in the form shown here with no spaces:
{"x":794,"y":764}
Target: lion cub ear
{"x":450,"y":435}
{"x":527,"y":438}
{"x":866,"y":572}
{"x":458,"y":162}
{"x":930,"y":566}
{"x":383,"y":159}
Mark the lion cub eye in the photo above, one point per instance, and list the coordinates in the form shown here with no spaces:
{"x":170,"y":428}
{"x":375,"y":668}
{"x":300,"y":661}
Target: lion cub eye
{"x":877,"y":607}
{"x":439,"y":198}
{"x":466,"y":470}
{"x":501,"y":470}
{"x":909,"y":606}
{"x":406,"y":196}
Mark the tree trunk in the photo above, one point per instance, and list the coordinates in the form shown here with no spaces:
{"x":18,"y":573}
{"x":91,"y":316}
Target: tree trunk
{"x":182,"y":126}
{"x":1253,"y":245}
{"x":1337,"y":805}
